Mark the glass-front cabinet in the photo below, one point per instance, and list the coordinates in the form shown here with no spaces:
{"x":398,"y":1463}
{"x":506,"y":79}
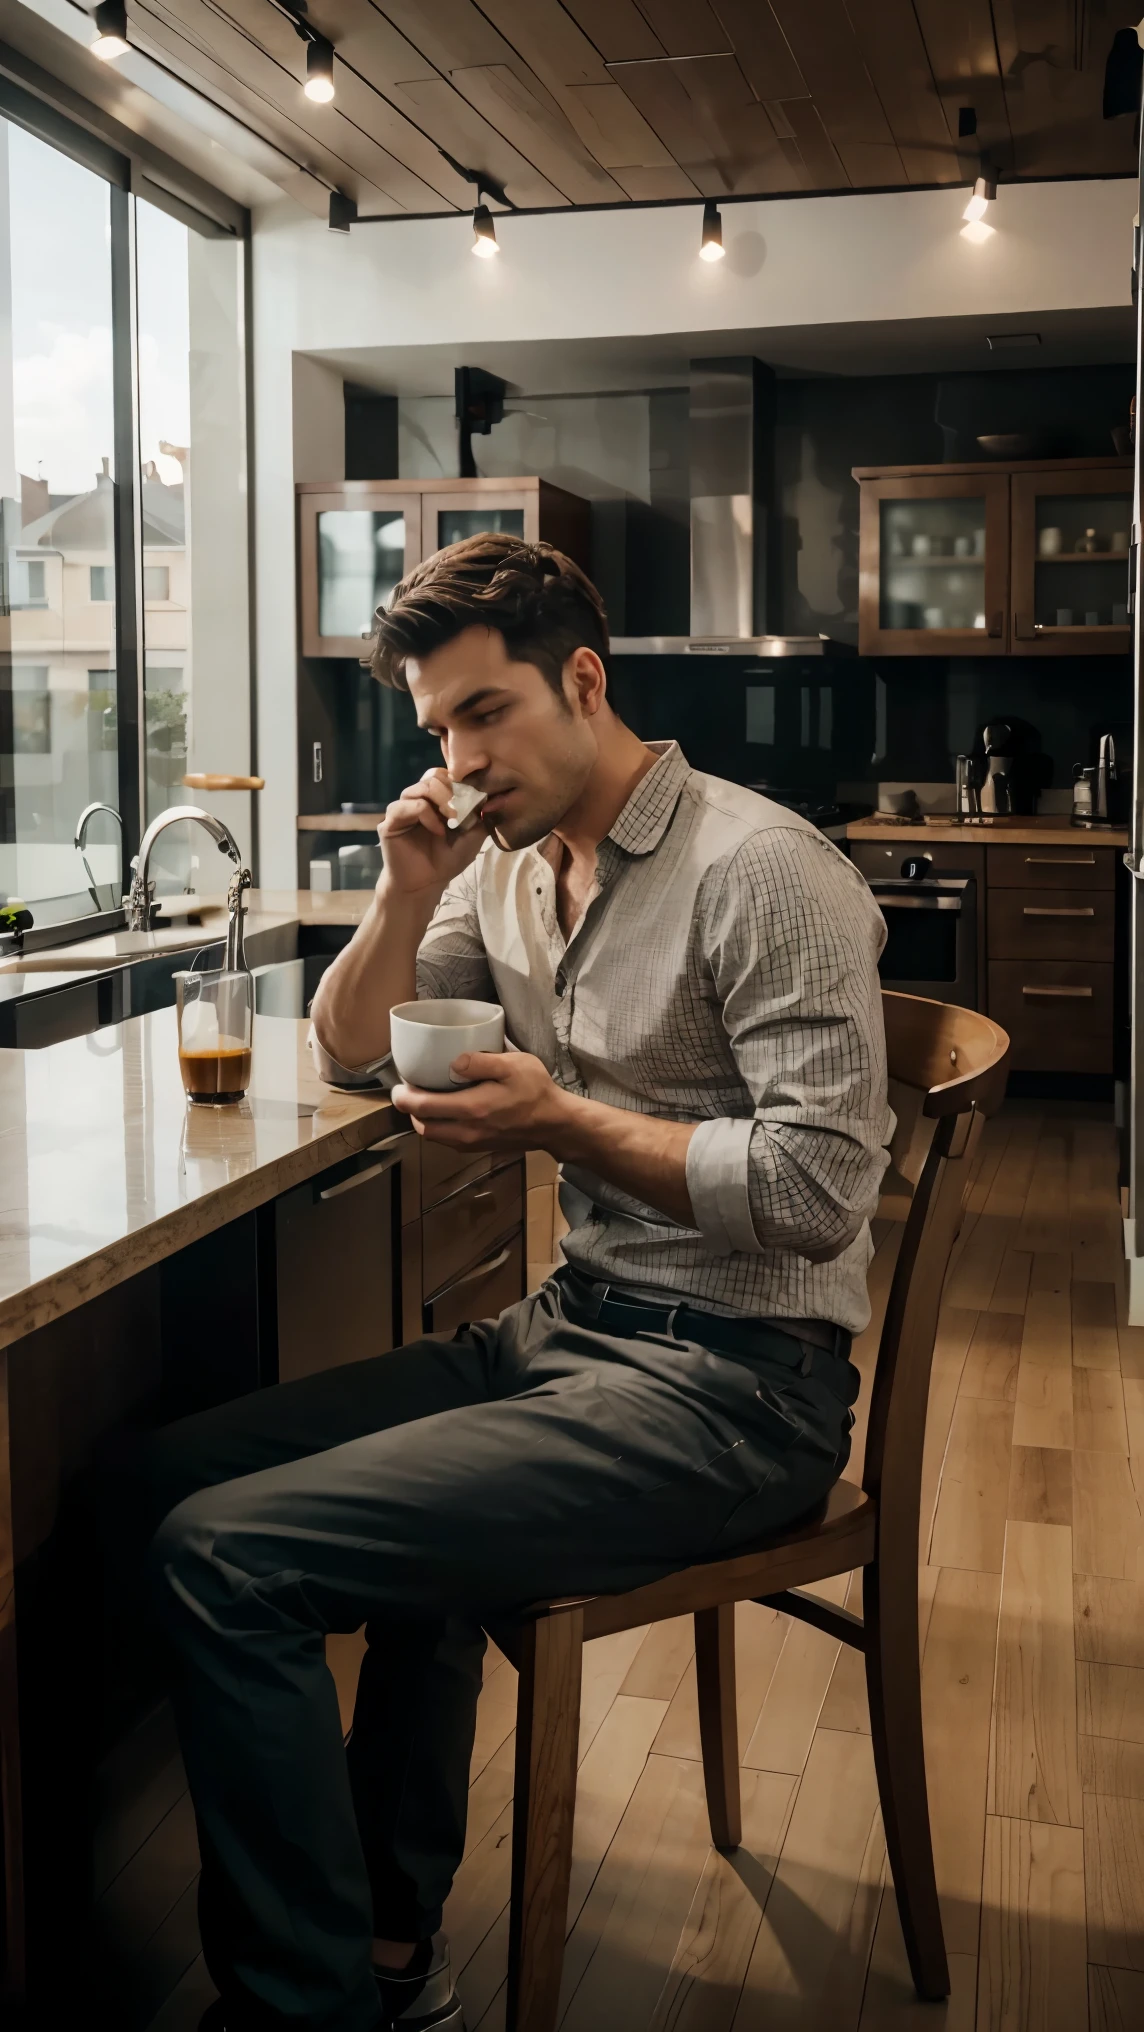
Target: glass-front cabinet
{"x":994,"y":560}
{"x":933,"y":568}
{"x":1072,"y":533}
{"x":358,"y":538}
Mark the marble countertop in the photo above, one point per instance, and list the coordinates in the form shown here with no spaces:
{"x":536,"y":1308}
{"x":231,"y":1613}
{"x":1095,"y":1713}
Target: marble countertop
{"x":998,"y":832}
{"x":105,"y":1169}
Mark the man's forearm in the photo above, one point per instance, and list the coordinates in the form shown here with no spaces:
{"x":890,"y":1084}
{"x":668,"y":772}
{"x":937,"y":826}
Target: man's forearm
{"x":377,"y":970}
{"x":640,"y":1154}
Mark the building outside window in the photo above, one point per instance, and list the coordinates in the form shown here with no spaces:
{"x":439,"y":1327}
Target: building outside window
{"x":93,"y":707}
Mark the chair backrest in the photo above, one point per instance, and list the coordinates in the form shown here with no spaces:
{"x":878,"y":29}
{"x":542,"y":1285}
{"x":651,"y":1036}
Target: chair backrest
{"x":951,"y":1065}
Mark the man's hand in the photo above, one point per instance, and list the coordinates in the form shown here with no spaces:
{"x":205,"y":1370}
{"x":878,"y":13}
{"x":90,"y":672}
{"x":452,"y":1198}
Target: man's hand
{"x":514,"y":1105}
{"x":420,"y":852}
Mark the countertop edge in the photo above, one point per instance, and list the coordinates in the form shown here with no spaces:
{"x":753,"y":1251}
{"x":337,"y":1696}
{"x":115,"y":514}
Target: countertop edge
{"x":1010,"y":833}
{"x":40,"y":1304}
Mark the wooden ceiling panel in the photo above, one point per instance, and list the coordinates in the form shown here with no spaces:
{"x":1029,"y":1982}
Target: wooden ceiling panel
{"x":556,"y":51}
{"x":543,"y":137}
{"x":1052,"y":68}
{"x":830,"y":59}
{"x":685,"y":27}
{"x":962,"y":51}
{"x":706,"y":113}
{"x":890,"y":40}
{"x":588,"y":102}
{"x":616,"y":28}
{"x":765,"y":56}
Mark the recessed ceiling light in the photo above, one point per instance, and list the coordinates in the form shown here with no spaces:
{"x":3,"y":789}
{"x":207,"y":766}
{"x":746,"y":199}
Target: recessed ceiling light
{"x":110,"y":19}
{"x":711,"y":246}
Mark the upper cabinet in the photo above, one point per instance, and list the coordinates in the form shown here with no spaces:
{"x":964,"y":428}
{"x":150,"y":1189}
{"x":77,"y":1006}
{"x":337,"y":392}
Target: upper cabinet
{"x":358,"y":538}
{"x":1028,"y":559}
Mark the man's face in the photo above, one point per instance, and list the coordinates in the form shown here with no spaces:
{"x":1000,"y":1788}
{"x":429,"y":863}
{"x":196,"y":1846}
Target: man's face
{"x":503,"y":729}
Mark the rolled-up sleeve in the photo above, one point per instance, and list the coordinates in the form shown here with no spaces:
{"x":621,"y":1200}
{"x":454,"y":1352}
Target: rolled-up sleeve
{"x":792,"y":938}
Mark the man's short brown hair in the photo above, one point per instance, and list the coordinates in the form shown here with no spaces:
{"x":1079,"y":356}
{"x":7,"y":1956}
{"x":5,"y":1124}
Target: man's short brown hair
{"x":544,"y":606}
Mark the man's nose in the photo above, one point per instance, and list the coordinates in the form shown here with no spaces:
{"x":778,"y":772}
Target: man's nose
{"x":465,"y":756}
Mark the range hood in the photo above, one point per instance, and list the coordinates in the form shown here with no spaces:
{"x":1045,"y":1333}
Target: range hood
{"x":733,"y":522}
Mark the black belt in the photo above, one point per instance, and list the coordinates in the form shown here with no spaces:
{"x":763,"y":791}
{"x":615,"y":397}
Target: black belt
{"x":621,"y":1312}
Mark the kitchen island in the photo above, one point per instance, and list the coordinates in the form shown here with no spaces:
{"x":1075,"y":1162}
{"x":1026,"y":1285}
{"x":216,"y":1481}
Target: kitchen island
{"x":156,"y":1258}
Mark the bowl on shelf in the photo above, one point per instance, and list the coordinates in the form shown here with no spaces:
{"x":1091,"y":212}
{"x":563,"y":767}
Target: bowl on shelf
{"x":1028,"y":444}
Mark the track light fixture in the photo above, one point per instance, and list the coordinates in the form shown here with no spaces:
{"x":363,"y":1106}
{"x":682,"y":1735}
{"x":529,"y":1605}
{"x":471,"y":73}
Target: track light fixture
{"x":110,"y":19}
{"x":982,"y":196}
{"x":484,"y":233}
{"x":711,"y":246}
{"x":319,"y":84}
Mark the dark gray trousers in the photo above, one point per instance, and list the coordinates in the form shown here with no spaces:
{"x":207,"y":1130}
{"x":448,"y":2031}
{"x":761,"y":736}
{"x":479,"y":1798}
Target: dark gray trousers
{"x":420,"y":1493}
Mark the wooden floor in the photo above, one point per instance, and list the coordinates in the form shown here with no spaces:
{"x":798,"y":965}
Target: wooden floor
{"x":1032,"y":1592}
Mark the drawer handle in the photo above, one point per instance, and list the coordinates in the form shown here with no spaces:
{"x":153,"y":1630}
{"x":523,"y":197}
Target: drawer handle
{"x":484,"y":1269}
{"x":1043,"y":910}
{"x":481,"y":1198}
{"x":1074,"y":994}
{"x":1060,"y":860}
{"x":399,"y":1136}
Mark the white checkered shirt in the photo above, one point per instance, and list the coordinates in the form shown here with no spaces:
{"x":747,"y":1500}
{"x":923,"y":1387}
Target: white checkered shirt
{"x":724,"y":973}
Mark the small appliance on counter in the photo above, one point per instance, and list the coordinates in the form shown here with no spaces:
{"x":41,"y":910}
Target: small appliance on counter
{"x":1090,"y":806}
{"x":1009,"y":768}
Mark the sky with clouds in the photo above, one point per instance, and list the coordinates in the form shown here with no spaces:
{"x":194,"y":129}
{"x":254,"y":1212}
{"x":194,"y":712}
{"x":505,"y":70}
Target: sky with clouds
{"x":60,"y":267}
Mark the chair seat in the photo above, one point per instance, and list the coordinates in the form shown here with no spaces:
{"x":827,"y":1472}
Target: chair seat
{"x":833,"y":1538}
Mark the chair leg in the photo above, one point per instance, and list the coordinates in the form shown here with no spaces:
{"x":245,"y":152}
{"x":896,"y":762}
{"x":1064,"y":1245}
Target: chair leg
{"x":719,"y":1721}
{"x":894,"y":1685}
{"x":547,"y":1739}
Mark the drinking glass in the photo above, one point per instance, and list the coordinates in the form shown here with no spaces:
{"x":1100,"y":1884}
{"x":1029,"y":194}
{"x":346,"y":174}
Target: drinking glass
{"x":216,"y":1032}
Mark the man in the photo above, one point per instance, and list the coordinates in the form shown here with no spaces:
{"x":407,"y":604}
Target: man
{"x":688,"y":973}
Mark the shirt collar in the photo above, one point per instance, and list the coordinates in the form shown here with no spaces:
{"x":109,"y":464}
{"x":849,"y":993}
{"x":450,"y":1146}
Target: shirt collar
{"x":649,"y":810}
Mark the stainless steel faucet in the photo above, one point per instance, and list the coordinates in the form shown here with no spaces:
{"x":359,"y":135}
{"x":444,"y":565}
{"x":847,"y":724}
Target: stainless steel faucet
{"x":139,"y":898}
{"x":80,"y":842}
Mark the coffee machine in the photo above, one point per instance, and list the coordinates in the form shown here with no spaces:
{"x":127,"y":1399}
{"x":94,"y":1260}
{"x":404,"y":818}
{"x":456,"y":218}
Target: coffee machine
{"x":1009,"y":768}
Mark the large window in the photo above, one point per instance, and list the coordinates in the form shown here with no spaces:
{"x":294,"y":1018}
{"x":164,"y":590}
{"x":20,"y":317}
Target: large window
{"x":124,"y":639}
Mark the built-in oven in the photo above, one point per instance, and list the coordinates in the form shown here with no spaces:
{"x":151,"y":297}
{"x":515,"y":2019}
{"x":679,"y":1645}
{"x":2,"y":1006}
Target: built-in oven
{"x":931,"y":934}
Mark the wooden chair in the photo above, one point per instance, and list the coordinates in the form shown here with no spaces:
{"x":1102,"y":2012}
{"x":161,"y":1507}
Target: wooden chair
{"x":947,"y":1070}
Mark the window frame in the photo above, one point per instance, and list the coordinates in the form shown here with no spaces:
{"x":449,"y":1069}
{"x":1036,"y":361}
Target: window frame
{"x":133,"y":171}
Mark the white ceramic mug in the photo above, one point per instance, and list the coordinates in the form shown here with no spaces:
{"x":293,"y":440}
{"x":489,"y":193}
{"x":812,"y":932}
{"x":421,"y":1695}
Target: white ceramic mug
{"x":425,"y":1038}
{"x":1049,"y":542}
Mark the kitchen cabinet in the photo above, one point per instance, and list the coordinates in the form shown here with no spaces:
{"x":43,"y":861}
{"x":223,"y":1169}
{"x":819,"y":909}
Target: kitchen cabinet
{"x":993,"y":560}
{"x":358,"y":538}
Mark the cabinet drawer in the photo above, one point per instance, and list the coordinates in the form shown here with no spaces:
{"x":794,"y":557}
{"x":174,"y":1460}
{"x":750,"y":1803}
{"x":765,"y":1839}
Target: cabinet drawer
{"x":444,"y":1171}
{"x":1050,"y":924}
{"x":948,"y":857}
{"x":464,"y":1227}
{"x":1058,"y":1014}
{"x":1079,"y":867}
{"x":496,"y":1281}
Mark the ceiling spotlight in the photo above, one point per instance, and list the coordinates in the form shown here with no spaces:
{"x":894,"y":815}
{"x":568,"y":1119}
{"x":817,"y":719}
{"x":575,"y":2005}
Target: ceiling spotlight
{"x":319,"y":83}
{"x":977,"y":231}
{"x":110,"y":19}
{"x":711,"y":245}
{"x":984,"y":192}
{"x":484,"y":234}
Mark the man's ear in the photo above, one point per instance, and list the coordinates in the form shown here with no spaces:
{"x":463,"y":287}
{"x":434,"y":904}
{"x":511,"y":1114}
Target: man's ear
{"x":586,"y":676}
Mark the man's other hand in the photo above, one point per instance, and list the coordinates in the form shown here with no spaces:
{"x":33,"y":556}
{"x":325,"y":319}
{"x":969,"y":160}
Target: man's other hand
{"x":513,"y":1105}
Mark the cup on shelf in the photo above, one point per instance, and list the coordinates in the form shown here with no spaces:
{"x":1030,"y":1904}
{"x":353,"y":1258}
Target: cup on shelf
{"x":1064,"y":617}
{"x":1092,"y":618}
{"x":1049,"y":542}
{"x":921,"y":545}
{"x":979,"y":621}
{"x":963,"y":546}
{"x":933,"y":617}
